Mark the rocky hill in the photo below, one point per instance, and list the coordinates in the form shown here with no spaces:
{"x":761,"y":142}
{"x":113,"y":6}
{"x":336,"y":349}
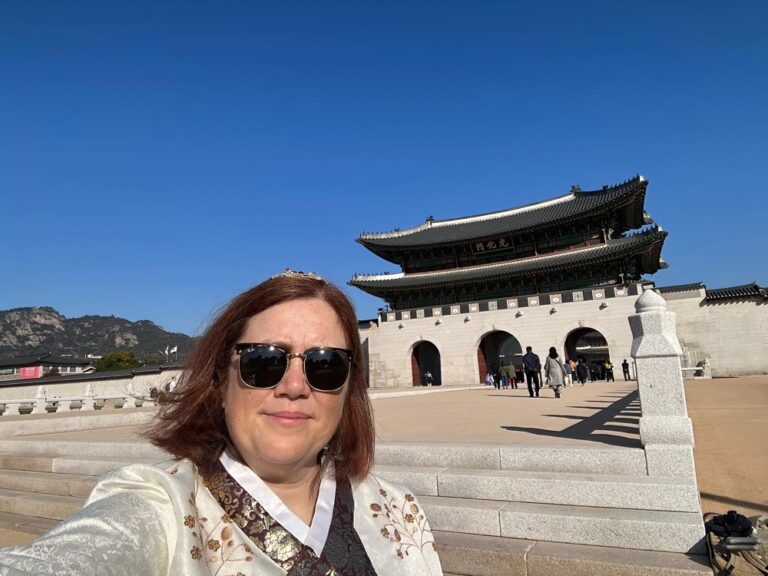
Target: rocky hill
{"x":42,"y":329}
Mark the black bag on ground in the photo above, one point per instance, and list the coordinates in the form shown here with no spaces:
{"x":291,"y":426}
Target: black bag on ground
{"x":737,"y":545}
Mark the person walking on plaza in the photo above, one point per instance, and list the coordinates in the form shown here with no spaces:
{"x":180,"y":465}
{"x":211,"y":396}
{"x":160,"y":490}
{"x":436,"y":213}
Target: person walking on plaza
{"x":568,"y":374}
{"x":625,"y":369}
{"x":582,"y":371}
{"x":512,"y":373}
{"x":609,"y":371}
{"x":554,"y":372}
{"x":532,"y":366}
{"x":519,"y":374}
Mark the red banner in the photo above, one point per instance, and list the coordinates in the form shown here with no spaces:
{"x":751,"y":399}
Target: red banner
{"x":30,"y":372}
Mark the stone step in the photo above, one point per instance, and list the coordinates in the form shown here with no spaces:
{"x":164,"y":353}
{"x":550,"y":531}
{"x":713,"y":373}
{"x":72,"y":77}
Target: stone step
{"x":50,"y":506}
{"x":95,"y":466}
{"x":16,"y":529}
{"x":91,"y":466}
{"x":613,"y":527}
{"x":47,"y":482}
{"x":471,"y":555}
{"x":584,"y":459}
{"x":534,"y":458}
{"x":75,"y":421}
{"x":121,"y":450}
{"x":32,"y":463}
{"x":607,"y":491}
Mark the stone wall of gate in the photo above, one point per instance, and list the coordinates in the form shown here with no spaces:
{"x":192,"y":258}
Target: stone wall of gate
{"x":458,"y":335}
{"x":731,"y":335}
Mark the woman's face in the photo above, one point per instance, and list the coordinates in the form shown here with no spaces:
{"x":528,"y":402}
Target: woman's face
{"x":280,"y":431}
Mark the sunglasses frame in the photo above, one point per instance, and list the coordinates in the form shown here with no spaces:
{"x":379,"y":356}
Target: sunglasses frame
{"x":241,"y":347}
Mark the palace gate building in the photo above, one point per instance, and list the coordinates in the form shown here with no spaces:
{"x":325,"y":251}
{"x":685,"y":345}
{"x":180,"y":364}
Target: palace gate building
{"x":473,"y":292}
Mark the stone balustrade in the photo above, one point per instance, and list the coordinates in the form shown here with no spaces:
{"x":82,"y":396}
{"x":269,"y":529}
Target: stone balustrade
{"x":42,"y":403}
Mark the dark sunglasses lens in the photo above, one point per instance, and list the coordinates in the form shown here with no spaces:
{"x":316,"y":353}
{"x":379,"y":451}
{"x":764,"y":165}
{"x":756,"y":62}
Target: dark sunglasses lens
{"x":326,"y":370}
{"x":262,"y":366}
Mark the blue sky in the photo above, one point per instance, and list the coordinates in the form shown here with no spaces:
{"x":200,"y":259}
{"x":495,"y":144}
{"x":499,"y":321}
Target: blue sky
{"x":156,"y":158}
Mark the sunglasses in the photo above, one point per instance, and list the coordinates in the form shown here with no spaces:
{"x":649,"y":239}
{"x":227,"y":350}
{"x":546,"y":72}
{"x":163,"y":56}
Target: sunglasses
{"x":264,"y":365}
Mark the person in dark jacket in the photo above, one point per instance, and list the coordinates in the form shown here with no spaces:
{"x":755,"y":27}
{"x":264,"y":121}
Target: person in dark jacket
{"x":582,"y":371}
{"x":532,"y":366}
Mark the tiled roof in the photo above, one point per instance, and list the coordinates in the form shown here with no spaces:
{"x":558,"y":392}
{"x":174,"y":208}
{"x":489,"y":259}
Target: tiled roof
{"x":681,"y":288}
{"x":87,"y":377}
{"x":614,"y":249}
{"x":548,"y":212}
{"x":746,"y":291}
{"x":47,"y":359}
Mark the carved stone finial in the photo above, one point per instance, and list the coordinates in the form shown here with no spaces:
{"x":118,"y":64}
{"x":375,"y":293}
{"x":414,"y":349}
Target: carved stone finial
{"x":650,"y":301}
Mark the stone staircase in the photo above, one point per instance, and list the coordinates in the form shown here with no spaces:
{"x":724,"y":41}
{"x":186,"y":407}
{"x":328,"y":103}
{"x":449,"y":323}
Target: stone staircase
{"x":495,"y":509}
{"x":580,"y":495}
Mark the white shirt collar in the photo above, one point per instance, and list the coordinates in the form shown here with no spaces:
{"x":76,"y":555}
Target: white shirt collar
{"x":313,"y":536}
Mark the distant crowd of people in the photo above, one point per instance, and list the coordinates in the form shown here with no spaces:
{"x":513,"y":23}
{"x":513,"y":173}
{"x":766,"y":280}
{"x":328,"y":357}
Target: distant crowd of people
{"x":556,"y":374}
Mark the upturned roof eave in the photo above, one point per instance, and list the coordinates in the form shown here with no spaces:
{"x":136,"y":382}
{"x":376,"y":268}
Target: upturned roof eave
{"x":652,"y":243}
{"x":413,"y":238}
{"x":392,"y":252}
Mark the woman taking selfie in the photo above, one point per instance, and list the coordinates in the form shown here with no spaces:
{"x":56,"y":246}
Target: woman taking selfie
{"x":273,"y":439}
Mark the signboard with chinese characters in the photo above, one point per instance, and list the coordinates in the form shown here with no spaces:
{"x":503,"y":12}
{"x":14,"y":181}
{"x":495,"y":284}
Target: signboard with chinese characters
{"x":500,"y":243}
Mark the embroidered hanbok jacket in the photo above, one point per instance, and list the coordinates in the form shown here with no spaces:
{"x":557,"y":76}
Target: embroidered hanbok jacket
{"x":144,"y":520}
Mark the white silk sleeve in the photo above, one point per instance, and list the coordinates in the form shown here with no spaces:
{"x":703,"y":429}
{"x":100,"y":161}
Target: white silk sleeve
{"x":143,"y":520}
{"x":119,"y":535}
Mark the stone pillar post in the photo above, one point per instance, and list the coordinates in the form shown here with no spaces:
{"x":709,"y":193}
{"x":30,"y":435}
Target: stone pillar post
{"x":130,"y":397}
{"x":88,"y":399}
{"x":40,"y":401}
{"x":666,"y":432}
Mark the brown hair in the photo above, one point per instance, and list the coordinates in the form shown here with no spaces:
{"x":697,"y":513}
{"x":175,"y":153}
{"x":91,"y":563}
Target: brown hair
{"x":191,"y":425}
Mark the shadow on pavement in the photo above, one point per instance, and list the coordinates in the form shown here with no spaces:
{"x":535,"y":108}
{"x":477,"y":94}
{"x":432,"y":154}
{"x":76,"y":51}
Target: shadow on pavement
{"x":762,"y":506}
{"x":594,"y":428}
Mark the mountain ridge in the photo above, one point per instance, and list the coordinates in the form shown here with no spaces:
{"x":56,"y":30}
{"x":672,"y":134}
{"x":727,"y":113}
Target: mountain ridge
{"x":40,"y":329}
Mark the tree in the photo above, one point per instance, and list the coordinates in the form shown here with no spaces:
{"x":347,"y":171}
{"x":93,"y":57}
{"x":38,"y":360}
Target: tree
{"x":117,"y":361}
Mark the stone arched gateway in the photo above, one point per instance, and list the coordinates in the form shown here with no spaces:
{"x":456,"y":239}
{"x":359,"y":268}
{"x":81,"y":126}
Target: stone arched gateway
{"x":496,"y":350}
{"x":425,"y":357}
{"x":587,"y":343}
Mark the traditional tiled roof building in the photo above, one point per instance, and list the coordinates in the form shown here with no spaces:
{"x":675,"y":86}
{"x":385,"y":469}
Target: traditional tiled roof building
{"x":38,"y":365}
{"x":472,"y":292}
{"x":579,"y":240}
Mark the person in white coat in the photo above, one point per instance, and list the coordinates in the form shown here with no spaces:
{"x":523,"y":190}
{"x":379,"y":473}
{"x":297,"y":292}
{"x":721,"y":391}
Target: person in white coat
{"x":554,"y":372}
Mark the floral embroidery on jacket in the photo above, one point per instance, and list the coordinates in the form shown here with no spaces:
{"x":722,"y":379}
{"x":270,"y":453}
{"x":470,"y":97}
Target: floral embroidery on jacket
{"x":216,"y":543}
{"x":405,"y":524}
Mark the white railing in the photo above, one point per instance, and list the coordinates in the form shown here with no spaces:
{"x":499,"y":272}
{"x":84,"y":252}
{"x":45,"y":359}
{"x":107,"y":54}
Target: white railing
{"x":44,"y":404}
